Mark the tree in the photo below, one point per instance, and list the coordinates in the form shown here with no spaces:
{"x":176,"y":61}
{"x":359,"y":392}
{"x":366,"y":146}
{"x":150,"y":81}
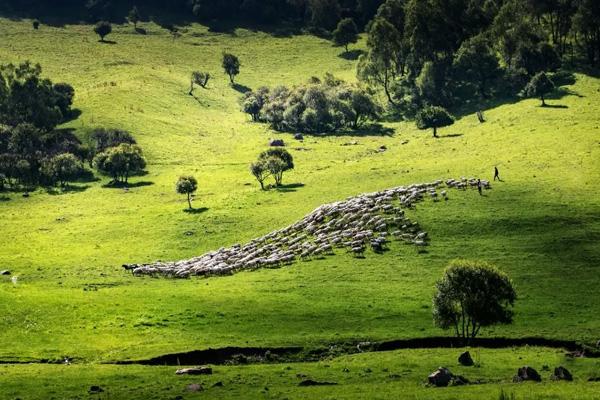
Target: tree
{"x":36,"y":24}
{"x":120,"y":162}
{"x":433,"y":117}
{"x":26,"y":97}
{"x":102,"y":29}
{"x":384,"y":62}
{"x":231,"y":65}
{"x":277,"y":161}
{"x":134,"y":16}
{"x":539,"y":86}
{"x":276,"y":166}
{"x":325,"y":14}
{"x":475,"y":61}
{"x":345,"y":33}
{"x":187,"y":185}
{"x":260,"y":171}
{"x":364,"y":108}
{"x":586,"y":24}
{"x":61,"y":168}
{"x":472,"y":295}
{"x":200,"y":79}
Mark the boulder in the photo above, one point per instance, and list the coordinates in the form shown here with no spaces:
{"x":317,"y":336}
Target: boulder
{"x":95,"y":389}
{"x":527,"y":374}
{"x":276,"y":143}
{"x":195,"y":371}
{"x":298,"y":136}
{"x":5,"y":272}
{"x":561,"y":374}
{"x":465,"y":359}
{"x":194,"y":387}
{"x":458,"y":380}
{"x":440,"y":377}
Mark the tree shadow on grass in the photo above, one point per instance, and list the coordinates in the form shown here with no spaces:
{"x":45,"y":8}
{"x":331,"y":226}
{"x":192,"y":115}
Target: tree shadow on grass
{"x":107,"y":41}
{"x":374,"y":129}
{"x":241,"y":88}
{"x":290,"y":187}
{"x":200,"y":100}
{"x":129,"y":185}
{"x":554,"y":106}
{"x":351,"y":55}
{"x":450,"y":136}
{"x":4,"y":198}
{"x":196,"y":210}
{"x":54,"y":191}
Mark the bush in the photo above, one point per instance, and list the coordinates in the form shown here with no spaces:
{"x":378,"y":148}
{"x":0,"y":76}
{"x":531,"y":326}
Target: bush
{"x":120,"y":162}
{"x":61,"y":168}
{"x":316,"y":107}
{"x":36,"y":24}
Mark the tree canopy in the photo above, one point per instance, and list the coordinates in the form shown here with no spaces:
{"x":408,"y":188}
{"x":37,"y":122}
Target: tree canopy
{"x":433,"y":117}
{"x":187,"y":185}
{"x":472,"y":295}
{"x":231,"y":65}
{"x":345,"y":33}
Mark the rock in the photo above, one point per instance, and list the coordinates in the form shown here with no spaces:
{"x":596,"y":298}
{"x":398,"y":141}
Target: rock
{"x":561,"y":374}
{"x":310,"y":382}
{"x":195,"y":371}
{"x":276,"y":143}
{"x":298,"y":136}
{"x":527,"y":374}
{"x":458,"y":380}
{"x":5,"y":272}
{"x":95,"y":389}
{"x":465,"y":359}
{"x":440,"y":377}
{"x":382,"y":148}
{"x":194,"y":387}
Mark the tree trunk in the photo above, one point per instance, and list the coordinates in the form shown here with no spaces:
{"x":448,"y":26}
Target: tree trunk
{"x":346,"y":46}
{"x":543,"y":101}
{"x":435,"y":132}
{"x":189,"y":200}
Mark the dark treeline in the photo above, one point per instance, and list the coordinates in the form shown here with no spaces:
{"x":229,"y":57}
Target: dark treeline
{"x":443,"y":52}
{"x":323,"y":14}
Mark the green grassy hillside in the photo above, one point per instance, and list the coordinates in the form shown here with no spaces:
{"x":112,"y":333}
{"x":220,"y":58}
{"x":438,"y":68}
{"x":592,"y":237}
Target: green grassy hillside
{"x":71,"y":298}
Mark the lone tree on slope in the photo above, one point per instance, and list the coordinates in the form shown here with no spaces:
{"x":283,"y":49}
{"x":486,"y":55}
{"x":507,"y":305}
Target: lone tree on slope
{"x":231,"y":65}
{"x":539,"y":86}
{"x":345,"y":33}
{"x":187,"y":185}
{"x":102,"y":29}
{"x":433,"y":117}
{"x":200,"y":79}
{"x":472,"y":295}
{"x":134,"y":16}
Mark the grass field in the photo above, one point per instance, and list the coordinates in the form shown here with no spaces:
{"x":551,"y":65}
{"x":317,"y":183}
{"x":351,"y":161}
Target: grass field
{"x":71,"y":298}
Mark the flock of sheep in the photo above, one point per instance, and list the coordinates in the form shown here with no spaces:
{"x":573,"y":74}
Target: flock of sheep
{"x":355,"y":224}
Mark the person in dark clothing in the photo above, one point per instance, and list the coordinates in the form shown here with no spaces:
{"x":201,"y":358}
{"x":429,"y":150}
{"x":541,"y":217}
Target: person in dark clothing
{"x":496,"y":173}
{"x":479,"y":187}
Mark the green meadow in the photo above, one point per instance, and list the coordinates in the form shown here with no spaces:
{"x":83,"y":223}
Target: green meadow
{"x":69,"y":296}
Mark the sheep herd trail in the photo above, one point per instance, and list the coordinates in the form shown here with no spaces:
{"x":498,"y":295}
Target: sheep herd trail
{"x":369,"y":220}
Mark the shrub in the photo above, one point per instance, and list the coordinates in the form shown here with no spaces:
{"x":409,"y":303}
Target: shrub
{"x":317,"y":106}
{"x":120,"y":162}
{"x":61,"y":168}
